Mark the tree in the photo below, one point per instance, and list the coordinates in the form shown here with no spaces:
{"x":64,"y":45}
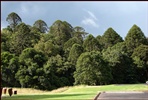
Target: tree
{"x":91,"y":69}
{"x":99,"y":39}
{"x":90,"y":44}
{"x":9,"y":66}
{"x":75,"y":52}
{"x":41,"y":25}
{"x":22,"y":39}
{"x":35,"y":36}
{"x":69,"y":27}
{"x":68,"y":45}
{"x":58,"y":71}
{"x":48,"y":48}
{"x":135,"y":37}
{"x":5,"y":36}
{"x":61,"y":31}
{"x":13,"y":19}
{"x":140,"y":57}
{"x":79,"y":32}
{"x":110,"y":37}
{"x":121,"y":64}
{"x":31,"y":68}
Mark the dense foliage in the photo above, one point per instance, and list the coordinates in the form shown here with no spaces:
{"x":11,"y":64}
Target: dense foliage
{"x":46,"y":58}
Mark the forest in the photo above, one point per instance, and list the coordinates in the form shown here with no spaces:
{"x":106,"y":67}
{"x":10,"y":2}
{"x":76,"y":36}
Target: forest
{"x":42,"y":57}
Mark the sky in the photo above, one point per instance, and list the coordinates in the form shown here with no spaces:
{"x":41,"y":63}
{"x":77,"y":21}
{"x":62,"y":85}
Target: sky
{"x":94,"y":16}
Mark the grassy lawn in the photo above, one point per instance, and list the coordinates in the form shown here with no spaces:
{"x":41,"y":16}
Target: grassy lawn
{"x":69,"y":93}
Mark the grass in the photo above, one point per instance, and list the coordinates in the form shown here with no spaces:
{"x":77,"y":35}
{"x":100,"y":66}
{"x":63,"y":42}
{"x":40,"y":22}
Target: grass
{"x":69,"y":93}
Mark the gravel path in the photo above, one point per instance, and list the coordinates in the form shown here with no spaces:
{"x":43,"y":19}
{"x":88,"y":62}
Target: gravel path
{"x":122,"y":96}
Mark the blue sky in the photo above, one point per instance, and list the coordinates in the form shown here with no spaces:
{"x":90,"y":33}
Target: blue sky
{"x":94,"y":16}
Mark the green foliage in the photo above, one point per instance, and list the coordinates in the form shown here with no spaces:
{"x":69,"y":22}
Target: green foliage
{"x":140,"y":57}
{"x":64,"y":56}
{"x":6,"y":35}
{"x":62,"y":31}
{"x":99,"y":40}
{"x":31,"y":68}
{"x":68,"y":45}
{"x":79,"y":32}
{"x":13,"y":19}
{"x":91,"y":44}
{"x":48,"y":48}
{"x":57,"y":72}
{"x":91,"y":69}
{"x":75,"y":52}
{"x":110,"y":38}
{"x":22,"y":39}
{"x":41,"y":25}
{"x":135,"y":37}
{"x":9,"y":67}
{"x":123,"y":70}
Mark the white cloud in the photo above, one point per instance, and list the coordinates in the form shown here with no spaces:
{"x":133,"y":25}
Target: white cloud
{"x":29,"y":9}
{"x":90,"y":20}
{"x":34,"y":11}
{"x":92,"y":15}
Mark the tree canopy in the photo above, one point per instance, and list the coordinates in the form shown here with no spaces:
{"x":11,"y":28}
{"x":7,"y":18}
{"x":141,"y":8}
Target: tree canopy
{"x":13,"y":20}
{"x":41,"y":25}
{"x":67,"y":55}
{"x":135,"y":37}
{"x":110,"y":38}
{"x":91,"y":69}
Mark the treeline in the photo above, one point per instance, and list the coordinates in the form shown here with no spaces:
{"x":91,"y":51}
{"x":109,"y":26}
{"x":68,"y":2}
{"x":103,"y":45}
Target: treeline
{"x":47,"y":58}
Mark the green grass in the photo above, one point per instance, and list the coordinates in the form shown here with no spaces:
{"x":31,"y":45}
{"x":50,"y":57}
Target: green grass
{"x":75,"y":92}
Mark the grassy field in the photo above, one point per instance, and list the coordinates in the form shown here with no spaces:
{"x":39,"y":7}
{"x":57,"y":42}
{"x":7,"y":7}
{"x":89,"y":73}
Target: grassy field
{"x":69,"y":93}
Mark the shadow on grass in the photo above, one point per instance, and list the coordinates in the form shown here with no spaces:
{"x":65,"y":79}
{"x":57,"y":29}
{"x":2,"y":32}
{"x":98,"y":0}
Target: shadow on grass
{"x":47,"y":97}
{"x":65,"y":95}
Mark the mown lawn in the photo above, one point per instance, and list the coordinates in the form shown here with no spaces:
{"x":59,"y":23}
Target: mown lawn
{"x":75,"y":92}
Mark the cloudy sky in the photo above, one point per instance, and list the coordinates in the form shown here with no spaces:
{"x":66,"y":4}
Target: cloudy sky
{"x":95,"y":17}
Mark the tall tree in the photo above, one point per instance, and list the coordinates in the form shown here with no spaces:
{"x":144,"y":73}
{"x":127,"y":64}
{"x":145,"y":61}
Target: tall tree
{"x":68,"y":45}
{"x":69,"y":27}
{"x":99,"y":39}
{"x":135,"y":37}
{"x":79,"y":32}
{"x":110,"y":37}
{"x":35,"y":35}
{"x":75,"y":52}
{"x":121,"y":64}
{"x":22,"y":39}
{"x":5,"y":39}
{"x":62,"y":31}
{"x":9,"y":66}
{"x":55,"y":67}
{"x":31,"y":68}
{"x":41,"y":25}
{"x":140,"y":57}
{"x":91,"y":69}
{"x":13,"y":19}
{"x":90,"y":44}
{"x":48,"y":48}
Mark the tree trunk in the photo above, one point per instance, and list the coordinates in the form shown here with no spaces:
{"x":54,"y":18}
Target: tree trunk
{"x":1,"y":91}
{"x":10,"y":91}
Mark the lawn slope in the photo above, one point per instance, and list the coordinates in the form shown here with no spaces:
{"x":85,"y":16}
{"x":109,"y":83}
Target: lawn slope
{"x":75,"y":92}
